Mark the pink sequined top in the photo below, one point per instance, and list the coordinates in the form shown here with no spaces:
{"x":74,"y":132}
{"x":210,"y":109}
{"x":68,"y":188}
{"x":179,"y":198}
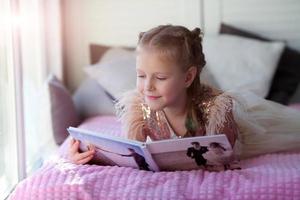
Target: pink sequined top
{"x":214,"y":109}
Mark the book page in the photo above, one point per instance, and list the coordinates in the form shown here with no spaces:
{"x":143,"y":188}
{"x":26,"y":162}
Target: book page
{"x":204,"y":152}
{"x":114,"y":150}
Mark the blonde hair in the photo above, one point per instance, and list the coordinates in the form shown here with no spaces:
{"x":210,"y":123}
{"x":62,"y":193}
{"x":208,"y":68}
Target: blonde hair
{"x":184,"y":47}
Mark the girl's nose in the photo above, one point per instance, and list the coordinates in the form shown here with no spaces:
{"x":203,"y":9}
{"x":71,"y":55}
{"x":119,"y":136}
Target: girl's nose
{"x":149,"y":85}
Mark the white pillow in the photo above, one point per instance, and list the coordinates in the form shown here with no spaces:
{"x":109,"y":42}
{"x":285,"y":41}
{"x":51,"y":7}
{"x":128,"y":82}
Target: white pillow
{"x":242,"y":63}
{"x":115,"y":72}
{"x":207,"y":77}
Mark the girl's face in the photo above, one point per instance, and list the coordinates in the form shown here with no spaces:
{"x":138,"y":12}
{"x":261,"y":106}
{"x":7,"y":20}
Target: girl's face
{"x":161,"y":81}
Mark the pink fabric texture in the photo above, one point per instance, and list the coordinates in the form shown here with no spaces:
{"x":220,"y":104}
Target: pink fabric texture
{"x":272,"y":176}
{"x":106,"y":124}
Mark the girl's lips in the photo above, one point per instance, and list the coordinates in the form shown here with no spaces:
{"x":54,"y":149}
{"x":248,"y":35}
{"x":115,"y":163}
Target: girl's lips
{"x":153,"y":97}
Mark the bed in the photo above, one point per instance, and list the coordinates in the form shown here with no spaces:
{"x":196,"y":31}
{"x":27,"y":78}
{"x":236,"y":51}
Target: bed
{"x":270,"y":176}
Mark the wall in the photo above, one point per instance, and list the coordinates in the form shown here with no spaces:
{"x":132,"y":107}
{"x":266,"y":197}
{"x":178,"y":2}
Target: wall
{"x":116,"y":23}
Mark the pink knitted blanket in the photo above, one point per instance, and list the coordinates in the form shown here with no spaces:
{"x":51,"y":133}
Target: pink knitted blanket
{"x":273,"y":176}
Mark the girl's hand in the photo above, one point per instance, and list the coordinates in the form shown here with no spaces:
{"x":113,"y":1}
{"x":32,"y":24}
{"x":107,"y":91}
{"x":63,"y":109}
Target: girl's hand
{"x":79,"y":158}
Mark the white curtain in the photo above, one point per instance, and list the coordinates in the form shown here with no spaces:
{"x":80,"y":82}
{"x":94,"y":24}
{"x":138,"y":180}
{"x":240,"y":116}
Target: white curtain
{"x":41,"y":55}
{"x":8,"y":136}
{"x":30,"y":35}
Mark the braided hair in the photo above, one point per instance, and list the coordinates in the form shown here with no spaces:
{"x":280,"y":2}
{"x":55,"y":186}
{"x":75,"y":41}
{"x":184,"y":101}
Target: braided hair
{"x":184,"y":47}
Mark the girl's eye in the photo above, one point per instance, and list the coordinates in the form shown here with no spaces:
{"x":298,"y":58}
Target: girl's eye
{"x":141,"y":76}
{"x":161,"y":78}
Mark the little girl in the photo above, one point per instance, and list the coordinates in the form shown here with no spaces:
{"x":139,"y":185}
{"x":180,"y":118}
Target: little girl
{"x":171,"y":102}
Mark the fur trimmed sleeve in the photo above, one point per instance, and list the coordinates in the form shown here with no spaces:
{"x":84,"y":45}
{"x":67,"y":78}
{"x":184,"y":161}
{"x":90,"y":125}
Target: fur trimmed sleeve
{"x":130,"y":113}
{"x":221,"y":119}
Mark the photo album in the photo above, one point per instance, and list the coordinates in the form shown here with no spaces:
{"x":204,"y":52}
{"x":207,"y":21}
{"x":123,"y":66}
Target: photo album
{"x":213,"y":153}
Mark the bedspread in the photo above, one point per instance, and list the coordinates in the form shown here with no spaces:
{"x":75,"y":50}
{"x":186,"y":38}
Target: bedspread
{"x":271,"y":176}
{"x":275,"y":176}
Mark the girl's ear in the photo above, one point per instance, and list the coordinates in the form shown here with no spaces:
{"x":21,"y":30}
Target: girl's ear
{"x":190,"y":76}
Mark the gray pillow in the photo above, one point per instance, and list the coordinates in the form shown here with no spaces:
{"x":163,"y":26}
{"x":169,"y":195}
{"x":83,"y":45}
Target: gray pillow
{"x":63,"y":112}
{"x":91,"y":99}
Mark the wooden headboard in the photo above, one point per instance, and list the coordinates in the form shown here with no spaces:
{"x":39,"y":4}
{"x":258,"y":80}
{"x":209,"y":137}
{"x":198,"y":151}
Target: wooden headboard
{"x":96,"y":52}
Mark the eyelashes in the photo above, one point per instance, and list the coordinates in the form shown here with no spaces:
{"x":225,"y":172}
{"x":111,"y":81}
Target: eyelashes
{"x":161,"y":78}
{"x":157,"y":77}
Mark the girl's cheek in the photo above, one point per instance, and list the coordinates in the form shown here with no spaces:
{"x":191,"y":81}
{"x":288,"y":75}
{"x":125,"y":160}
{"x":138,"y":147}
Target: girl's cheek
{"x":139,"y":85}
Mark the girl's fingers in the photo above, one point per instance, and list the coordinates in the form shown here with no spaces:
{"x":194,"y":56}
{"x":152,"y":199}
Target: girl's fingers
{"x":80,"y":156}
{"x":74,"y":147}
{"x":91,"y":147}
{"x":72,"y":141}
{"x":85,"y":160}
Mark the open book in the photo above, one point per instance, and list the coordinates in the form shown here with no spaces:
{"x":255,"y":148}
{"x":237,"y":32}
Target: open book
{"x":202,"y":152}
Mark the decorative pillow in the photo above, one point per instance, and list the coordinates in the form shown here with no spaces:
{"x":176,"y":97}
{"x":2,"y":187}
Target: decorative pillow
{"x":116,"y":72}
{"x":90,"y":99}
{"x":63,"y":112}
{"x":287,"y":75}
{"x":238,"y":62}
{"x":296,"y":97}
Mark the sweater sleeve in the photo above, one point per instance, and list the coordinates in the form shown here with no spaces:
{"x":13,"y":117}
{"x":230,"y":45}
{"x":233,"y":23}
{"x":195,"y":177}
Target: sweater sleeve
{"x":230,"y":128}
{"x":130,"y":113}
{"x":221,"y":120}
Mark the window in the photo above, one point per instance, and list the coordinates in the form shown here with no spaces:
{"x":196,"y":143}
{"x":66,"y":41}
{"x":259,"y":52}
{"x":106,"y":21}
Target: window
{"x":8,"y":131}
{"x":25,"y":122}
{"x":37,"y":121}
